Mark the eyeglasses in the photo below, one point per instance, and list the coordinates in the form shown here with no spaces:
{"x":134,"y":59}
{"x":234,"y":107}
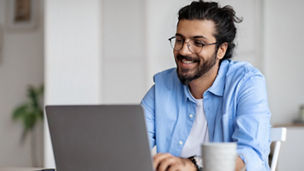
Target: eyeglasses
{"x":194,"y":45}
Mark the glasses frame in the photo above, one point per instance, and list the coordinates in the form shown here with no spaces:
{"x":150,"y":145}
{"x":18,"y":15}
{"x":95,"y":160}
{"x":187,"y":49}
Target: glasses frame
{"x":188,"y":44}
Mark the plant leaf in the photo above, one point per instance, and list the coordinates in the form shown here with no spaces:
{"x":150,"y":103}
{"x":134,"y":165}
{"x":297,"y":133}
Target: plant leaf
{"x":31,"y":111}
{"x":19,"y":112}
{"x":29,"y":121}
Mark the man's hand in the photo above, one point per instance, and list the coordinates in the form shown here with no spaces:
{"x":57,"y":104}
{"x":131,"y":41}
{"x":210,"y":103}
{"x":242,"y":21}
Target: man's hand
{"x":239,"y":164}
{"x":168,"y":162}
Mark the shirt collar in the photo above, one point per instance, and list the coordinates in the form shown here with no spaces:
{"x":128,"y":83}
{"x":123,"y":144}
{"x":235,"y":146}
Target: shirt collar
{"x":217,"y":87}
{"x":188,"y":93}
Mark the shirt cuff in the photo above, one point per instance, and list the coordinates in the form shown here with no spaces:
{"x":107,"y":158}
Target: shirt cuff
{"x":252,"y":161}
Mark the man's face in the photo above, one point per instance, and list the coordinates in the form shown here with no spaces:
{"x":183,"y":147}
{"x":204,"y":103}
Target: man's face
{"x":193,"y":64}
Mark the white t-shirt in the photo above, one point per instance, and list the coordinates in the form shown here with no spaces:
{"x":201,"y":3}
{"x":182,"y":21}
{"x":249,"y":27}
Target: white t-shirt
{"x":199,"y":133}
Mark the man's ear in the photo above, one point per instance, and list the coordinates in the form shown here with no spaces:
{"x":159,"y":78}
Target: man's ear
{"x":222,"y":50}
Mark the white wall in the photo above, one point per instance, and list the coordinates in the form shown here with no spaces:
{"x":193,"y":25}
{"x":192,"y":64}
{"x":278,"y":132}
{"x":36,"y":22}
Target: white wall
{"x":284,"y":59}
{"x":72,"y":56}
{"x":249,"y":40}
{"x":161,"y":19}
{"x":124,"y":43}
{"x":21,"y":64}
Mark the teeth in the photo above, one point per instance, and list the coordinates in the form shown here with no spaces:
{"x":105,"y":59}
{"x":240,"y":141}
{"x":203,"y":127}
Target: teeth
{"x":187,"y":62}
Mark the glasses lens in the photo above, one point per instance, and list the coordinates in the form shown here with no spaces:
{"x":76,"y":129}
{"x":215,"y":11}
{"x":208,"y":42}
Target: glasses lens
{"x":176,"y":43}
{"x":193,"y":45}
{"x":172,"y":42}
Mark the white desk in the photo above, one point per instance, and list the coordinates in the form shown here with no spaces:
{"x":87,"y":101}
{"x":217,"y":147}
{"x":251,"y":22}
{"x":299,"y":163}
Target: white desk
{"x":19,"y":169}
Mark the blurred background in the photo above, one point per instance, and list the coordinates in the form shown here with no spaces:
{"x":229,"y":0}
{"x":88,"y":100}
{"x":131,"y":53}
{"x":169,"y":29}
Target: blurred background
{"x":106,"y":52}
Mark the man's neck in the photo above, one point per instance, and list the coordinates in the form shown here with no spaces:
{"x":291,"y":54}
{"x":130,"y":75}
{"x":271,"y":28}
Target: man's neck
{"x":199,"y":86}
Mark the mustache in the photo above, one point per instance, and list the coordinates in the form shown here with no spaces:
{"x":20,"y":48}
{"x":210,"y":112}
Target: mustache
{"x":181,"y":57}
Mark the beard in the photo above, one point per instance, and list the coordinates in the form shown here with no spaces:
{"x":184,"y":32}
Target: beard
{"x":203,"y":67}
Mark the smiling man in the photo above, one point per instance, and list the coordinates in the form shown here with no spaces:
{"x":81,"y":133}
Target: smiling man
{"x":207,"y":97}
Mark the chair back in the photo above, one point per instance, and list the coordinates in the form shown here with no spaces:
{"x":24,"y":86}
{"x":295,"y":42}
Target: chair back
{"x":278,"y":135}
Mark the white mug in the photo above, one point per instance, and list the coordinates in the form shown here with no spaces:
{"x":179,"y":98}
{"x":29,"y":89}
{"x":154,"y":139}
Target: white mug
{"x":219,"y":156}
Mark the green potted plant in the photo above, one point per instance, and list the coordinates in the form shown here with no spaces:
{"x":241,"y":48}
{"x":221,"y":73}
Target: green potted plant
{"x":30,"y":113}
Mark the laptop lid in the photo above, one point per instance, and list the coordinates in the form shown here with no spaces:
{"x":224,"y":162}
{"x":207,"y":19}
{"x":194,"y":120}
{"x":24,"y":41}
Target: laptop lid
{"x":99,"y":138}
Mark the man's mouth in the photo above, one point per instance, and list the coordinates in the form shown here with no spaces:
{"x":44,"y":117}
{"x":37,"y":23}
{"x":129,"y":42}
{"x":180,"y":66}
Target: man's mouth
{"x":187,"y":59}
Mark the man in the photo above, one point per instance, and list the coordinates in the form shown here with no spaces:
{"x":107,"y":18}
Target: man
{"x":207,"y":98}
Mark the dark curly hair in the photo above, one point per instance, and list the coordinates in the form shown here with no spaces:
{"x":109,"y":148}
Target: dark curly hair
{"x":224,"y":19}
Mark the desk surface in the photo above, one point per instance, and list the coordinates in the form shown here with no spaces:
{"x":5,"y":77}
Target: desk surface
{"x":19,"y":169}
{"x":288,"y":125}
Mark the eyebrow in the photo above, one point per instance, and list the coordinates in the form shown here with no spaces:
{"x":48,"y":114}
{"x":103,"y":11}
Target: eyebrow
{"x":194,"y":37}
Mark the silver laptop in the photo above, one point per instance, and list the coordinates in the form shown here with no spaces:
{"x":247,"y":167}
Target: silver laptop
{"x":99,"y":138}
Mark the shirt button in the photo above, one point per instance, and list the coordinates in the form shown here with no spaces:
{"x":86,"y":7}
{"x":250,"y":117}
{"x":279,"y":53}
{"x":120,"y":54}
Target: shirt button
{"x":180,"y":142}
{"x":191,"y":115}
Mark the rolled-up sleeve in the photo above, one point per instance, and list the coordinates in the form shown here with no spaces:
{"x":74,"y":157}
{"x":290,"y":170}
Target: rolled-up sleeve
{"x":149,"y":107}
{"x":252,"y":124}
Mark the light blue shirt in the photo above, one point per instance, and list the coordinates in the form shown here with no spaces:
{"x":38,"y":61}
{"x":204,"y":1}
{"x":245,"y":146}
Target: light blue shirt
{"x":235,"y":106}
